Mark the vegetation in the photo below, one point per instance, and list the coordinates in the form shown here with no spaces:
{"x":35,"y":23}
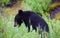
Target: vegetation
{"x":39,"y":6}
{"x":7,"y":29}
{"x":4,"y":1}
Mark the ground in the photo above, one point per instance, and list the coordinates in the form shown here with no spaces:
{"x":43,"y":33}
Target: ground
{"x":14,"y":9}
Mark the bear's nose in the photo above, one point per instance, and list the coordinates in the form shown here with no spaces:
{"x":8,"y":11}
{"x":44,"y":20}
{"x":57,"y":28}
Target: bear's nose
{"x":15,"y":24}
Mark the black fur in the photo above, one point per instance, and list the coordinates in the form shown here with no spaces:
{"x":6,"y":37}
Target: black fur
{"x":30,"y":18}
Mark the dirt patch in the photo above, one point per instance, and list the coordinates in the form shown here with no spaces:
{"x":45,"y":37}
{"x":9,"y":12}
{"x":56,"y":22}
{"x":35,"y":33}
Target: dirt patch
{"x":13,"y":10}
{"x":57,"y":16}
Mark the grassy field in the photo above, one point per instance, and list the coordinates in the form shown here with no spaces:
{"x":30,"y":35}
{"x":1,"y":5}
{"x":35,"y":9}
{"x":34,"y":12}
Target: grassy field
{"x":7,"y":29}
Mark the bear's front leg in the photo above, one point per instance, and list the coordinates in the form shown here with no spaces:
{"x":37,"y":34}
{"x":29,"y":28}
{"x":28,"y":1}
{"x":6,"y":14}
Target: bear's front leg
{"x":27,"y":24}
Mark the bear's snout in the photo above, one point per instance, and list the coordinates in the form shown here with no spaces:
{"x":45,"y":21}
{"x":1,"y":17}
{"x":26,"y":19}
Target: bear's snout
{"x":15,"y":24}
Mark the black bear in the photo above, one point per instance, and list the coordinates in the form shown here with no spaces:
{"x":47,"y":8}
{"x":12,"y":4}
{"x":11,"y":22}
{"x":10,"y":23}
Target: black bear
{"x":30,"y":18}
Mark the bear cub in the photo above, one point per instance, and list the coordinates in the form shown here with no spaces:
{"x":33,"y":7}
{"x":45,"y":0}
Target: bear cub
{"x":30,"y":18}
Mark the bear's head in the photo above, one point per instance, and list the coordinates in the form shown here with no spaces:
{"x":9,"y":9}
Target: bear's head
{"x":17,"y":19}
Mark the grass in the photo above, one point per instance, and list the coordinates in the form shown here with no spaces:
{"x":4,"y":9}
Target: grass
{"x":7,"y":29}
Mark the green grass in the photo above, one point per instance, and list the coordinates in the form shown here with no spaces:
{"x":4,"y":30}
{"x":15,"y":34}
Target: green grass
{"x":7,"y":29}
{"x":36,"y":5}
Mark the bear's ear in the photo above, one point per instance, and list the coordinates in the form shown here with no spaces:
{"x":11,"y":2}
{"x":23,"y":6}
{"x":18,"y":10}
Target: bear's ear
{"x":20,"y":11}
